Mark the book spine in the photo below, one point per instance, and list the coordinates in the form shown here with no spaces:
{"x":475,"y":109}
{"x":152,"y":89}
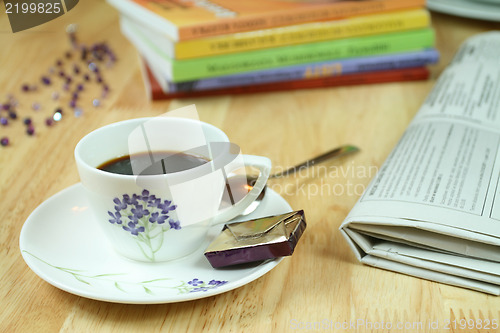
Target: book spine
{"x":303,"y":33}
{"x":308,"y":71}
{"x":398,"y":75}
{"x":147,"y":49}
{"x":131,"y":9}
{"x":186,"y":70}
{"x":341,"y":9}
{"x":160,"y":41}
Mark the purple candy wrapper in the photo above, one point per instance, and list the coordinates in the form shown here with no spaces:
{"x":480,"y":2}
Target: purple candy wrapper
{"x":255,"y":240}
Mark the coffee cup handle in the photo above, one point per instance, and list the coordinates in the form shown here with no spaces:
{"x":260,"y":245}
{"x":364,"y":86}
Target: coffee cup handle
{"x":264,"y":165}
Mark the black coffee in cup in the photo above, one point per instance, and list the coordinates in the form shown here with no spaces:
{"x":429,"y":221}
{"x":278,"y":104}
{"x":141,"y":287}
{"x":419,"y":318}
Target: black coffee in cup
{"x":158,"y":163}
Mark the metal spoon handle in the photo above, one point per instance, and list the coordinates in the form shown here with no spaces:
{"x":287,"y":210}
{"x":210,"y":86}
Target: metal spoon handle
{"x":334,"y":153}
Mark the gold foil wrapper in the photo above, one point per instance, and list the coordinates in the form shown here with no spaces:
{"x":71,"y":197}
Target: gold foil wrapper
{"x":258,"y":239}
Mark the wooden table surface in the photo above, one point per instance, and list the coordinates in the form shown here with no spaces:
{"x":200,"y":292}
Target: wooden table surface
{"x":321,"y":282}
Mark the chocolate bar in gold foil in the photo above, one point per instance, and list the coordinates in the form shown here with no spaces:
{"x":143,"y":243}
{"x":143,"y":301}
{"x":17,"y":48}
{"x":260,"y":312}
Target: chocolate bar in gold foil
{"x":255,"y":240}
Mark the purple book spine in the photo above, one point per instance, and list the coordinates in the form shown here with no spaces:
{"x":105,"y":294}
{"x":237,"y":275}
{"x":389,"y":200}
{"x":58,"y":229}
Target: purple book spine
{"x":309,"y":71}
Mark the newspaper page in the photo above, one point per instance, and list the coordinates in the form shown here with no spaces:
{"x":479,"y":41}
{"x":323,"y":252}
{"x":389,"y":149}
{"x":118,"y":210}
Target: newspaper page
{"x":433,"y":209}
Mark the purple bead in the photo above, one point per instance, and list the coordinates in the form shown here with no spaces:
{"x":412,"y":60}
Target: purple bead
{"x":73,"y":40}
{"x":49,"y":121}
{"x":72,"y":103}
{"x":59,"y":63}
{"x":76,"y":69}
{"x":85,"y":53}
{"x":68,"y":79}
{"x":27,"y":121}
{"x":30,"y":130}
{"x":86,"y":77}
{"x":112,"y":57}
{"x":12,"y":115}
{"x":46,"y":80}
{"x":35,"y":106}
{"x":79,"y":87}
{"x":99,"y":79}
{"x":98,"y":51}
{"x":78,"y":112}
{"x":6,"y":106}
{"x":25,"y":87}
{"x":61,"y":74}
{"x":4,"y":121}
{"x":4,"y":141}
{"x":105,"y":90}
{"x":71,"y":28}
{"x":57,"y":116}
{"x":93,"y":67}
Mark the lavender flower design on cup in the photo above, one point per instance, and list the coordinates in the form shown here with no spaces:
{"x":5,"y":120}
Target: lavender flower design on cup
{"x":146,"y":218}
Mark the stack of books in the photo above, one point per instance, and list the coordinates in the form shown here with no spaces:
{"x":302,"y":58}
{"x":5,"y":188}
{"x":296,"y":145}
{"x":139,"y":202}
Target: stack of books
{"x":194,"y":48}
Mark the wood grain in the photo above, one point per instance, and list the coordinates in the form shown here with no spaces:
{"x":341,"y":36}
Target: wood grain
{"x":321,"y":284}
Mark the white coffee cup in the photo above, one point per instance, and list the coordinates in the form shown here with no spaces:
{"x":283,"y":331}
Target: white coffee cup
{"x":162,"y":217}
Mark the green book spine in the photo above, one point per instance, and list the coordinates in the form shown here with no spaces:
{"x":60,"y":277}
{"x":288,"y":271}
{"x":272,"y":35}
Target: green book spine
{"x":193,"y":69}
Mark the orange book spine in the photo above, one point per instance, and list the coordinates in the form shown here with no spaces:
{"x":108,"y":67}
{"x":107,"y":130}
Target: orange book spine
{"x":339,"y":10}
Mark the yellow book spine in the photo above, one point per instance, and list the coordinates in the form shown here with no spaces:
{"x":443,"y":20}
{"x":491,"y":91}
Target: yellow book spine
{"x":303,"y":33}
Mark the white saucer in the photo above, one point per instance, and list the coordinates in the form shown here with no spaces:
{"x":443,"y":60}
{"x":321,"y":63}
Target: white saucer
{"x":62,"y":243}
{"x":467,"y":8}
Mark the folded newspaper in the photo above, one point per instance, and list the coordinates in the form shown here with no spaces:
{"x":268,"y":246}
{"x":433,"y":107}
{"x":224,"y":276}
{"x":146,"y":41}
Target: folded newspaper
{"x":433,"y":210}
